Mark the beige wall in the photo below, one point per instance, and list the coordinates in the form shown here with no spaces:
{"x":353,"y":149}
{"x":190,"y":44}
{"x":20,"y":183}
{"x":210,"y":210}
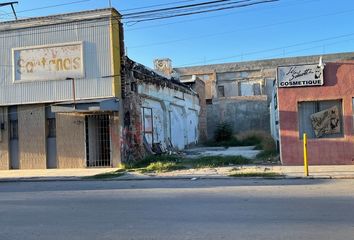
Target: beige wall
{"x":32,"y":137}
{"x":4,"y":140}
{"x":70,"y":140}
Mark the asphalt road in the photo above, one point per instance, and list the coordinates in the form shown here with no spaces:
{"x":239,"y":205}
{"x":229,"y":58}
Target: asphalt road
{"x":181,"y":209}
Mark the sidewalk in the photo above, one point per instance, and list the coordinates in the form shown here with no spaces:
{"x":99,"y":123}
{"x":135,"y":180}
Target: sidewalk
{"x":323,"y":172}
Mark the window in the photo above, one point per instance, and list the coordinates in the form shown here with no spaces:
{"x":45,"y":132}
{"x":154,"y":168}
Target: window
{"x":147,"y":122}
{"x":204,"y":77}
{"x":256,"y":89}
{"x":221,"y":91}
{"x":321,"y":119}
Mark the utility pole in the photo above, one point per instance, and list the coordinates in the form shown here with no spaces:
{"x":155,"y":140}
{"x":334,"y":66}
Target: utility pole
{"x":110,"y":3}
{"x":12,"y":6}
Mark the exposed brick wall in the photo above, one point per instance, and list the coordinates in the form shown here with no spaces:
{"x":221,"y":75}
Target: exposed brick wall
{"x":32,"y":136}
{"x":4,"y":143}
{"x":71,"y":140}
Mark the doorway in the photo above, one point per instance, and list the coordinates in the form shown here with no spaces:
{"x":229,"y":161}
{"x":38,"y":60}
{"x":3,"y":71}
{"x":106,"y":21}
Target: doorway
{"x":98,"y":144}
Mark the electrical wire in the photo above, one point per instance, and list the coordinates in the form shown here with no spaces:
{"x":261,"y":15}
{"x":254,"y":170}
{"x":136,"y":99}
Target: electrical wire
{"x":178,"y":7}
{"x":209,"y":17}
{"x":157,"y":5}
{"x":46,"y":7}
{"x":269,"y":50}
{"x":149,"y":17}
{"x":239,"y":29}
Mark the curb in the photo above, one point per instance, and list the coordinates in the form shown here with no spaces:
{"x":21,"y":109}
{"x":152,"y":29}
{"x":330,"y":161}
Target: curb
{"x":153,"y":178}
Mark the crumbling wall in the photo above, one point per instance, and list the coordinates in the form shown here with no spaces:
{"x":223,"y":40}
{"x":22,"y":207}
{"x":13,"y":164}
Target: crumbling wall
{"x":244,"y":115}
{"x":146,"y":88}
{"x":132,"y":141}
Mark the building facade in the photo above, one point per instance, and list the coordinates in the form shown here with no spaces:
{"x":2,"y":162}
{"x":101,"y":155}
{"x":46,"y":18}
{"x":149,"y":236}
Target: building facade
{"x":161,"y":114}
{"x":322,"y":110}
{"x":63,"y":96}
{"x":240,"y":93}
{"x":60,"y":90}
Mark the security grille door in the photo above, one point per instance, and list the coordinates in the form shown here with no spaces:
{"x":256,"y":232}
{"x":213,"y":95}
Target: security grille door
{"x":98,"y":146}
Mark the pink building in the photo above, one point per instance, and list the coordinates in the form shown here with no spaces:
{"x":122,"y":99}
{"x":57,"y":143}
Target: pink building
{"x":325,"y":112}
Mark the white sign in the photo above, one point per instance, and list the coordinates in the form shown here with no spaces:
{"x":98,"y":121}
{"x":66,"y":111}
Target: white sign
{"x":50,"y":62}
{"x":300,"y":76}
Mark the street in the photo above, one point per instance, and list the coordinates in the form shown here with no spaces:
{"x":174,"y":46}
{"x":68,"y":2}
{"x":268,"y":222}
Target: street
{"x":178,"y":209}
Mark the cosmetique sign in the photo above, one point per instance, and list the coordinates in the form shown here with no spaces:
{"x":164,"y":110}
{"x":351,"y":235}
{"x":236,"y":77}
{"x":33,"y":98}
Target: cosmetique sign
{"x":49,"y":62}
{"x":300,"y":76}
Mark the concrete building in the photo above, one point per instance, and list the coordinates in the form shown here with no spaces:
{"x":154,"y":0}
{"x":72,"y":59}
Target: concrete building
{"x":161,"y":112}
{"x":319,"y":102}
{"x":61,"y":94}
{"x":48,"y":121}
{"x":240,"y":93}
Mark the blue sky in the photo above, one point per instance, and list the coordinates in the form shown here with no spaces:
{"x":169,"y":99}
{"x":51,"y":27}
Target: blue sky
{"x":280,"y":29}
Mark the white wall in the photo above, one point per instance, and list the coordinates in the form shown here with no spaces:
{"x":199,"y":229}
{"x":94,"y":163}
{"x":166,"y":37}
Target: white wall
{"x":175,"y":115}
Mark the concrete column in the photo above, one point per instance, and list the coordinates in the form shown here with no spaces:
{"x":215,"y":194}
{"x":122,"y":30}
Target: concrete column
{"x":32,"y":136}
{"x":4,"y":140}
{"x":71,"y":147}
{"x":115,"y":129}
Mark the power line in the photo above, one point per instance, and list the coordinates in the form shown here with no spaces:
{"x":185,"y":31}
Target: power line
{"x":202,"y":18}
{"x":239,"y":29}
{"x":157,"y":5}
{"x":178,"y":7}
{"x":196,"y":11}
{"x":270,"y":49}
{"x":49,"y":6}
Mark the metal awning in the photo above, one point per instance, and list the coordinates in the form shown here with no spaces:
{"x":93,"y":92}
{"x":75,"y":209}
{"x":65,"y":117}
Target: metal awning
{"x":90,"y":105}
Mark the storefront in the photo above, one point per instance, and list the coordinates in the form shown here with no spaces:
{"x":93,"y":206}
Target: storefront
{"x":317,"y":100}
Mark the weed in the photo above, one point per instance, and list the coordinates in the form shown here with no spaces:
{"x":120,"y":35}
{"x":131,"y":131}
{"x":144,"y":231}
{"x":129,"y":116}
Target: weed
{"x":151,"y":159}
{"x":218,"y":161}
{"x":223,"y":132}
{"x":162,"y":167}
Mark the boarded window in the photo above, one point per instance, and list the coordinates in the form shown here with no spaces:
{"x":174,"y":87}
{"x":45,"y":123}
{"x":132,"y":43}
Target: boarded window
{"x":321,"y":119}
{"x":221,"y":91}
{"x":147,"y":121}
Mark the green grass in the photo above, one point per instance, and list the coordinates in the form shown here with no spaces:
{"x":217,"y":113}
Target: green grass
{"x":257,"y":174}
{"x":218,"y":161}
{"x":145,"y":162}
{"x":160,"y":167}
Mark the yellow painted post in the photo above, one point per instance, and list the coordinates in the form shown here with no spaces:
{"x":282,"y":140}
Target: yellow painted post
{"x":306,"y":164}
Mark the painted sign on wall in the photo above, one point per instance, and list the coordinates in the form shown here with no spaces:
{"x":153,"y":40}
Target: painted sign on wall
{"x":50,"y":62}
{"x":326,"y":122}
{"x":300,"y":76}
